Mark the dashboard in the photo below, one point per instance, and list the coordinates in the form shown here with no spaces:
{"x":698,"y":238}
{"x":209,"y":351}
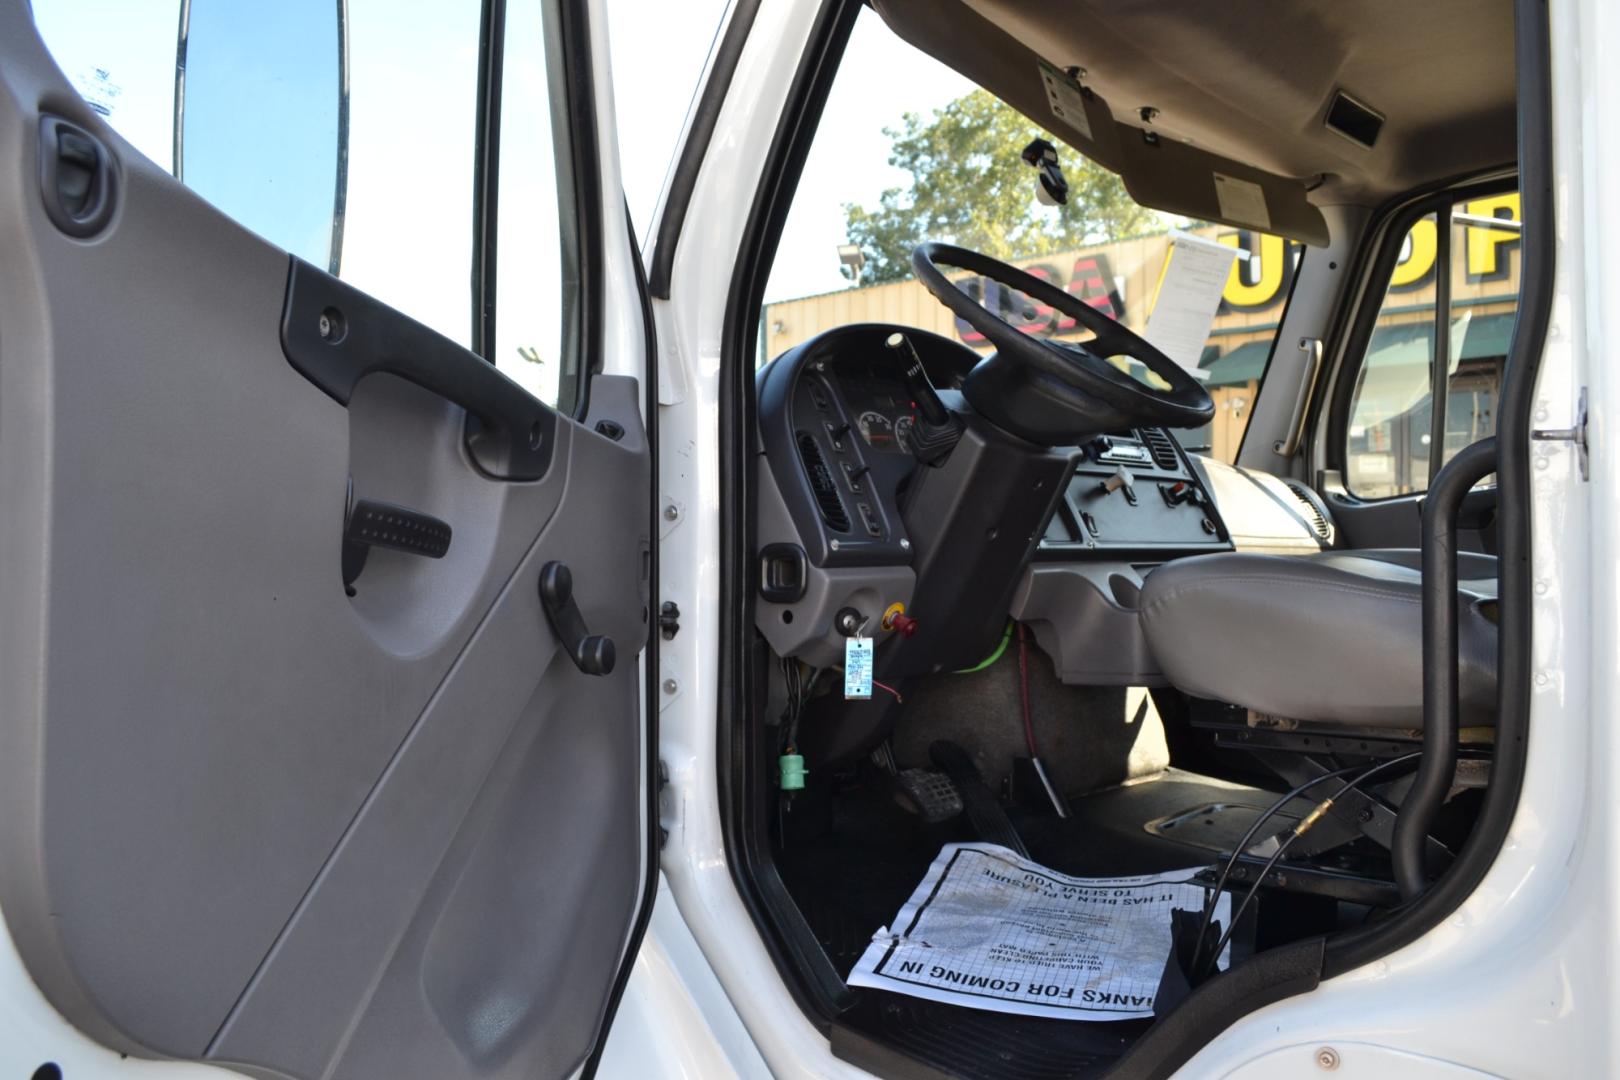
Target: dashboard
{"x":880,"y":403}
{"x":851,"y":527}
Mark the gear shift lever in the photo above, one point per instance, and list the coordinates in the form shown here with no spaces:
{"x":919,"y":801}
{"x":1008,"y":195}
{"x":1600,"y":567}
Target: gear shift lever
{"x":936,"y":431}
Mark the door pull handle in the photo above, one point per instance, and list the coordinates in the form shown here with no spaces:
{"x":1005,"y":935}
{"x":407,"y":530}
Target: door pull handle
{"x":378,"y":524}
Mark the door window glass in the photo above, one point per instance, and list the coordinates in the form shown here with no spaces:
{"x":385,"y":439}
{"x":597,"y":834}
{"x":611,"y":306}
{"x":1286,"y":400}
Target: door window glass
{"x":120,"y":56}
{"x":536,"y":276}
{"x":347,"y":133}
{"x":413,"y":90}
{"x":675,"y":40}
{"x":1458,"y":257}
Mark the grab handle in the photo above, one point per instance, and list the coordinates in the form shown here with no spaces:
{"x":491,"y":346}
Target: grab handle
{"x":1441,"y":710}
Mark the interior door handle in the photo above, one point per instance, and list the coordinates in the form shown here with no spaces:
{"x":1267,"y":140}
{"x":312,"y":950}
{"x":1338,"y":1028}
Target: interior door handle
{"x":335,"y":335}
{"x":593,"y":653}
{"x":76,"y":177}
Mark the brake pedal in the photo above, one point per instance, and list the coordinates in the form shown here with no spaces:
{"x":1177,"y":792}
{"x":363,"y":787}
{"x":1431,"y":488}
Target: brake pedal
{"x":930,"y":794}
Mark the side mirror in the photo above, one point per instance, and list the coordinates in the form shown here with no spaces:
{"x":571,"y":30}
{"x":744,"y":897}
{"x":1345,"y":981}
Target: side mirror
{"x":261,"y":118}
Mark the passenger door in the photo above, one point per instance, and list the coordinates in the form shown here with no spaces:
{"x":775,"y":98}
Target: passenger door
{"x":1441,"y":315}
{"x":322,"y":748}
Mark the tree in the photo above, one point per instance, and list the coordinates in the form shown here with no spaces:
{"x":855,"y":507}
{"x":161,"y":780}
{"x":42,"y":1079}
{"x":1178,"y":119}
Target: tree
{"x":970,"y":187}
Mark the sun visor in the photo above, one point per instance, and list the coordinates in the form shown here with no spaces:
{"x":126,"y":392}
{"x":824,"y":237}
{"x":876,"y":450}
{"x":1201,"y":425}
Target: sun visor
{"x":1162,"y":174}
{"x":1182,"y":179}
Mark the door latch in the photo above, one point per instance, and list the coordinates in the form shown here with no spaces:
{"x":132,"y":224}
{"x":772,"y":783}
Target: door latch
{"x":1575,"y":435}
{"x":592,"y":653}
{"x":669,"y":620}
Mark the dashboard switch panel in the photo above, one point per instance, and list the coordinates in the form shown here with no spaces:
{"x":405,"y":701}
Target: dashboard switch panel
{"x":1101,"y":514}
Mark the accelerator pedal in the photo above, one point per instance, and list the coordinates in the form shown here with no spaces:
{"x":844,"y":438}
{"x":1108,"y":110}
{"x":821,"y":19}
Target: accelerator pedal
{"x":928,"y":794}
{"x":984,"y":810}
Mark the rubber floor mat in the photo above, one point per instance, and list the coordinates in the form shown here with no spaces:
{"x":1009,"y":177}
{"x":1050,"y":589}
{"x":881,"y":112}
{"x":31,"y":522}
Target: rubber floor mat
{"x":851,"y":880}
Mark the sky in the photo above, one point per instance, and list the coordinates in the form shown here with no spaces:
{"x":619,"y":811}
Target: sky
{"x":413,"y":64}
{"x":880,"y":79}
{"x":657,"y":44}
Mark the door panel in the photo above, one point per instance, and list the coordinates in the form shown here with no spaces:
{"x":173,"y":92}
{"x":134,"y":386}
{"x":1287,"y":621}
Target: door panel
{"x":244,"y":815}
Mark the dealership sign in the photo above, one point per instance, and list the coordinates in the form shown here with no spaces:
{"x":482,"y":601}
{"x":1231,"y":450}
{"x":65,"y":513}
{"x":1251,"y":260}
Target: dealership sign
{"x":1258,"y":282}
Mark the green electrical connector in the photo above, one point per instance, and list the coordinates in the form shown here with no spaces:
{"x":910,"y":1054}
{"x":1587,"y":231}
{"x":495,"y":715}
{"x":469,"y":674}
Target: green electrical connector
{"x":793,"y":772}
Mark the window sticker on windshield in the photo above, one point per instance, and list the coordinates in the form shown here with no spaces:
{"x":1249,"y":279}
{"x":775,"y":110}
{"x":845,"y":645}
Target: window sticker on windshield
{"x":1242,"y":201}
{"x":1063,"y":94}
{"x":1188,"y":296}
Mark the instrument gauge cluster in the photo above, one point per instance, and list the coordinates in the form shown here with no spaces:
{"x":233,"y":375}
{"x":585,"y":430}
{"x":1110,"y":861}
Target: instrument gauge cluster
{"x":836,"y":418}
{"x":878,"y":430}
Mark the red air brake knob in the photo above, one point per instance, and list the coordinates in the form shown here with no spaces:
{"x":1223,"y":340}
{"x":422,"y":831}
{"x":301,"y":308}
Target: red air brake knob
{"x":897,"y":620}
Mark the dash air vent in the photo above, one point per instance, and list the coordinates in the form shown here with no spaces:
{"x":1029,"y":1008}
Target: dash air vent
{"x":821,"y":482}
{"x":1160,"y":445}
{"x":1309,"y":509}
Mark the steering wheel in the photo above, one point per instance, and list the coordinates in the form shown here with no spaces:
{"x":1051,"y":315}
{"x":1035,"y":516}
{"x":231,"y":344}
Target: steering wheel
{"x":1058,"y":393}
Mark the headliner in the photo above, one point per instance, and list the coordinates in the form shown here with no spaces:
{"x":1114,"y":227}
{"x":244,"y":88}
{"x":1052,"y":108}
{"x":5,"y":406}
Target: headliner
{"x":1251,"y":81}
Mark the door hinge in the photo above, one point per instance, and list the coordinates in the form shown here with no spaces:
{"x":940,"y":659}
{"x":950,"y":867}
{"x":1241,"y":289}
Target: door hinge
{"x":669,"y":620}
{"x":1575,"y":435}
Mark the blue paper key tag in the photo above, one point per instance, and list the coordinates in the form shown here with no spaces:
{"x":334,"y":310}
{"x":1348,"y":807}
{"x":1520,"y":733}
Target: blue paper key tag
{"x":858,"y":667}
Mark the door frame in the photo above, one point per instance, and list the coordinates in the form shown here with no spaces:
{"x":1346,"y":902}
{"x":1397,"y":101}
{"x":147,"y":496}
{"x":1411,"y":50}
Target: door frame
{"x":1226,"y":1000}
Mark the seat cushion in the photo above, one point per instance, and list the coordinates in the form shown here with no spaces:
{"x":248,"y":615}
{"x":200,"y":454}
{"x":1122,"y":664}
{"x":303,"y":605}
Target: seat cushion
{"x":1329,"y":638}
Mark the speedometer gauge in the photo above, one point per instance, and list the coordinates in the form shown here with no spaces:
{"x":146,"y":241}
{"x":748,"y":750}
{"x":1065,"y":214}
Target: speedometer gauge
{"x":876,"y":429}
{"x":902,"y":432}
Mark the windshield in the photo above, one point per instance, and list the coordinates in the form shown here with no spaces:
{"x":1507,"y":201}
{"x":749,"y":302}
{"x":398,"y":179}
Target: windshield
{"x":908,"y":150}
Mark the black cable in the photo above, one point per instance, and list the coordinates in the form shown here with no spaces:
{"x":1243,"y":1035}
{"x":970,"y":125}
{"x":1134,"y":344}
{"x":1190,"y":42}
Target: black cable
{"x":791,"y":686}
{"x":1243,"y":845}
{"x":799,"y":686}
{"x":1300,"y":830}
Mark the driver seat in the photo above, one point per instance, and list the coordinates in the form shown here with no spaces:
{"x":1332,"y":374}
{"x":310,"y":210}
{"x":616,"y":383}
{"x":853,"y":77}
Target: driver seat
{"x":1330,"y":639}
